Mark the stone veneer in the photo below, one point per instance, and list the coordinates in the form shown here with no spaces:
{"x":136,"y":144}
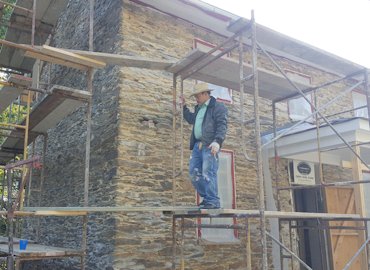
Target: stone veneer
{"x":131,"y":152}
{"x":64,"y":167}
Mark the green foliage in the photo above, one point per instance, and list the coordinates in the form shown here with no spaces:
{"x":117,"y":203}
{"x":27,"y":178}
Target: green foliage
{"x":13,"y":114}
{"x":7,"y":12}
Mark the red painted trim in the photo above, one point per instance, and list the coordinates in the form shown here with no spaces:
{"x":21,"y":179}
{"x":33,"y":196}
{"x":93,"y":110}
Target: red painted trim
{"x":225,"y":100}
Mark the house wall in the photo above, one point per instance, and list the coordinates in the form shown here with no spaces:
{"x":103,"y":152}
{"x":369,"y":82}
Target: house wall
{"x":145,"y":149}
{"x":65,"y":156}
{"x":131,"y":158}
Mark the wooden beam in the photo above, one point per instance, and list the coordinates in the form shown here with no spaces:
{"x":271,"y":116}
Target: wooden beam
{"x":193,"y":210}
{"x":72,"y":57}
{"x":127,"y":61}
{"x":56,"y":55}
{"x":60,"y":213}
{"x":40,"y":251}
{"x":37,"y":55}
{"x":24,"y":47}
{"x":71,"y":93}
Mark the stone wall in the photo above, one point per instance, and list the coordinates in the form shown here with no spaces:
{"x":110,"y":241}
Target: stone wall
{"x":145,"y":146}
{"x":65,"y":157}
{"x":131,"y":157}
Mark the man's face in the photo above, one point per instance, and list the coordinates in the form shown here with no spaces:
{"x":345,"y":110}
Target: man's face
{"x":201,"y":97}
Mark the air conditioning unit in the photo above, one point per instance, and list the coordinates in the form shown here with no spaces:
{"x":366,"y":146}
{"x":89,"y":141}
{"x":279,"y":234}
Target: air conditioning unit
{"x":301,"y":173}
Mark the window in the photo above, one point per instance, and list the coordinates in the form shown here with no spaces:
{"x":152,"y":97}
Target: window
{"x":299,"y":108}
{"x":220,"y":93}
{"x":359,"y":100}
{"x":226,"y":190}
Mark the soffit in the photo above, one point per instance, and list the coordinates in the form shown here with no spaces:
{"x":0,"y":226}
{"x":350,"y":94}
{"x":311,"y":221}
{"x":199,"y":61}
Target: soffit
{"x":301,"y":143}
{"x":47,"y":14}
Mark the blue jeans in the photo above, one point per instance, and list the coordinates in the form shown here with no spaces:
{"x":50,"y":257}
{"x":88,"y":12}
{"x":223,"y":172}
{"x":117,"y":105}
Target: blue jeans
{"x":203,"y":168}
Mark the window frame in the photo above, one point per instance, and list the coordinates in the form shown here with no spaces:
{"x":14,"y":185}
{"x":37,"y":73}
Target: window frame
{"x":197,"y":41}
{"x":303,"y":75}
{"x":360,"y":92}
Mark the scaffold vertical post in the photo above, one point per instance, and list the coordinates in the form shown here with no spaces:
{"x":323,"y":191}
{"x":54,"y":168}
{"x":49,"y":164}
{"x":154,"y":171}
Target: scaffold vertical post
{"x":33,"y":23}
{"x":182,"y":244}
{"x":248,"y":244}
{"x":90,"y":78}
{"x":291,"y":244}
{"x":25,"y":150}
{"x":10,"y":219}
{"x":42,"y":178}
{"x":258,"y":146}
{"x":174,"y":146}
{"x":241,"y":93}
{"x":317,"y":122}
{"x":367,"y":247}
{"x":181,"y":129}
{"x":366,"y":90}
{"x":173,"y":242}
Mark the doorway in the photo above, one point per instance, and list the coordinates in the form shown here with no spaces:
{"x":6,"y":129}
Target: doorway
{"x":312,"y":240}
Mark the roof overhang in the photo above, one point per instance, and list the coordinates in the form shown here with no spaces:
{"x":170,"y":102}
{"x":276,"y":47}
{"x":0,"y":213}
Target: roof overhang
{"x":303,"y":145}
{"x":217,"y":20}
{"x":225,"y":72}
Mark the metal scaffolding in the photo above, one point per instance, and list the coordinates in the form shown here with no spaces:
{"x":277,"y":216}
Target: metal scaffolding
{"x":243,"y":31}
{"x":26,"y":163}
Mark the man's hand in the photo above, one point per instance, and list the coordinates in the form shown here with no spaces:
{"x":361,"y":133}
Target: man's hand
{"x":181,"y":100}
{"x":215,"y":147}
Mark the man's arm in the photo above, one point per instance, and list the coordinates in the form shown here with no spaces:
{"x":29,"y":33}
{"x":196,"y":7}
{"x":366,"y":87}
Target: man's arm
{"x":188,"y":115}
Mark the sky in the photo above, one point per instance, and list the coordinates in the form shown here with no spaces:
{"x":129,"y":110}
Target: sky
{"x":341,"y":27}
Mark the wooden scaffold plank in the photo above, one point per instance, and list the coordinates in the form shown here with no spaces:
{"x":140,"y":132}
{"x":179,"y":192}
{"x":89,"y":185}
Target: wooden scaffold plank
{"x":72,"y":57}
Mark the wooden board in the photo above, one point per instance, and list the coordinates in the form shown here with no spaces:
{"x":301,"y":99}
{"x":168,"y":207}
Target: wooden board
{"x":72,"y":57}
{"x":49,"y":112}
{"x":192,"y":210}
{"x":225,"y":72}
{"x":344,"y":243}
{"x":127,"y":61}
{"x":37,"y":55}
{"x":35,"y":250}
{"x":20,"y":80}
{"x":71,"y":93}
{"x":5,"y":240}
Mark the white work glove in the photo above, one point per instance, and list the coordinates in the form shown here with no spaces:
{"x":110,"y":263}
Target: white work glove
{"x":215,"y":147}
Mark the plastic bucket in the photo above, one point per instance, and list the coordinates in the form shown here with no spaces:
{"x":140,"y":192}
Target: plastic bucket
{"x":23,"y":244}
